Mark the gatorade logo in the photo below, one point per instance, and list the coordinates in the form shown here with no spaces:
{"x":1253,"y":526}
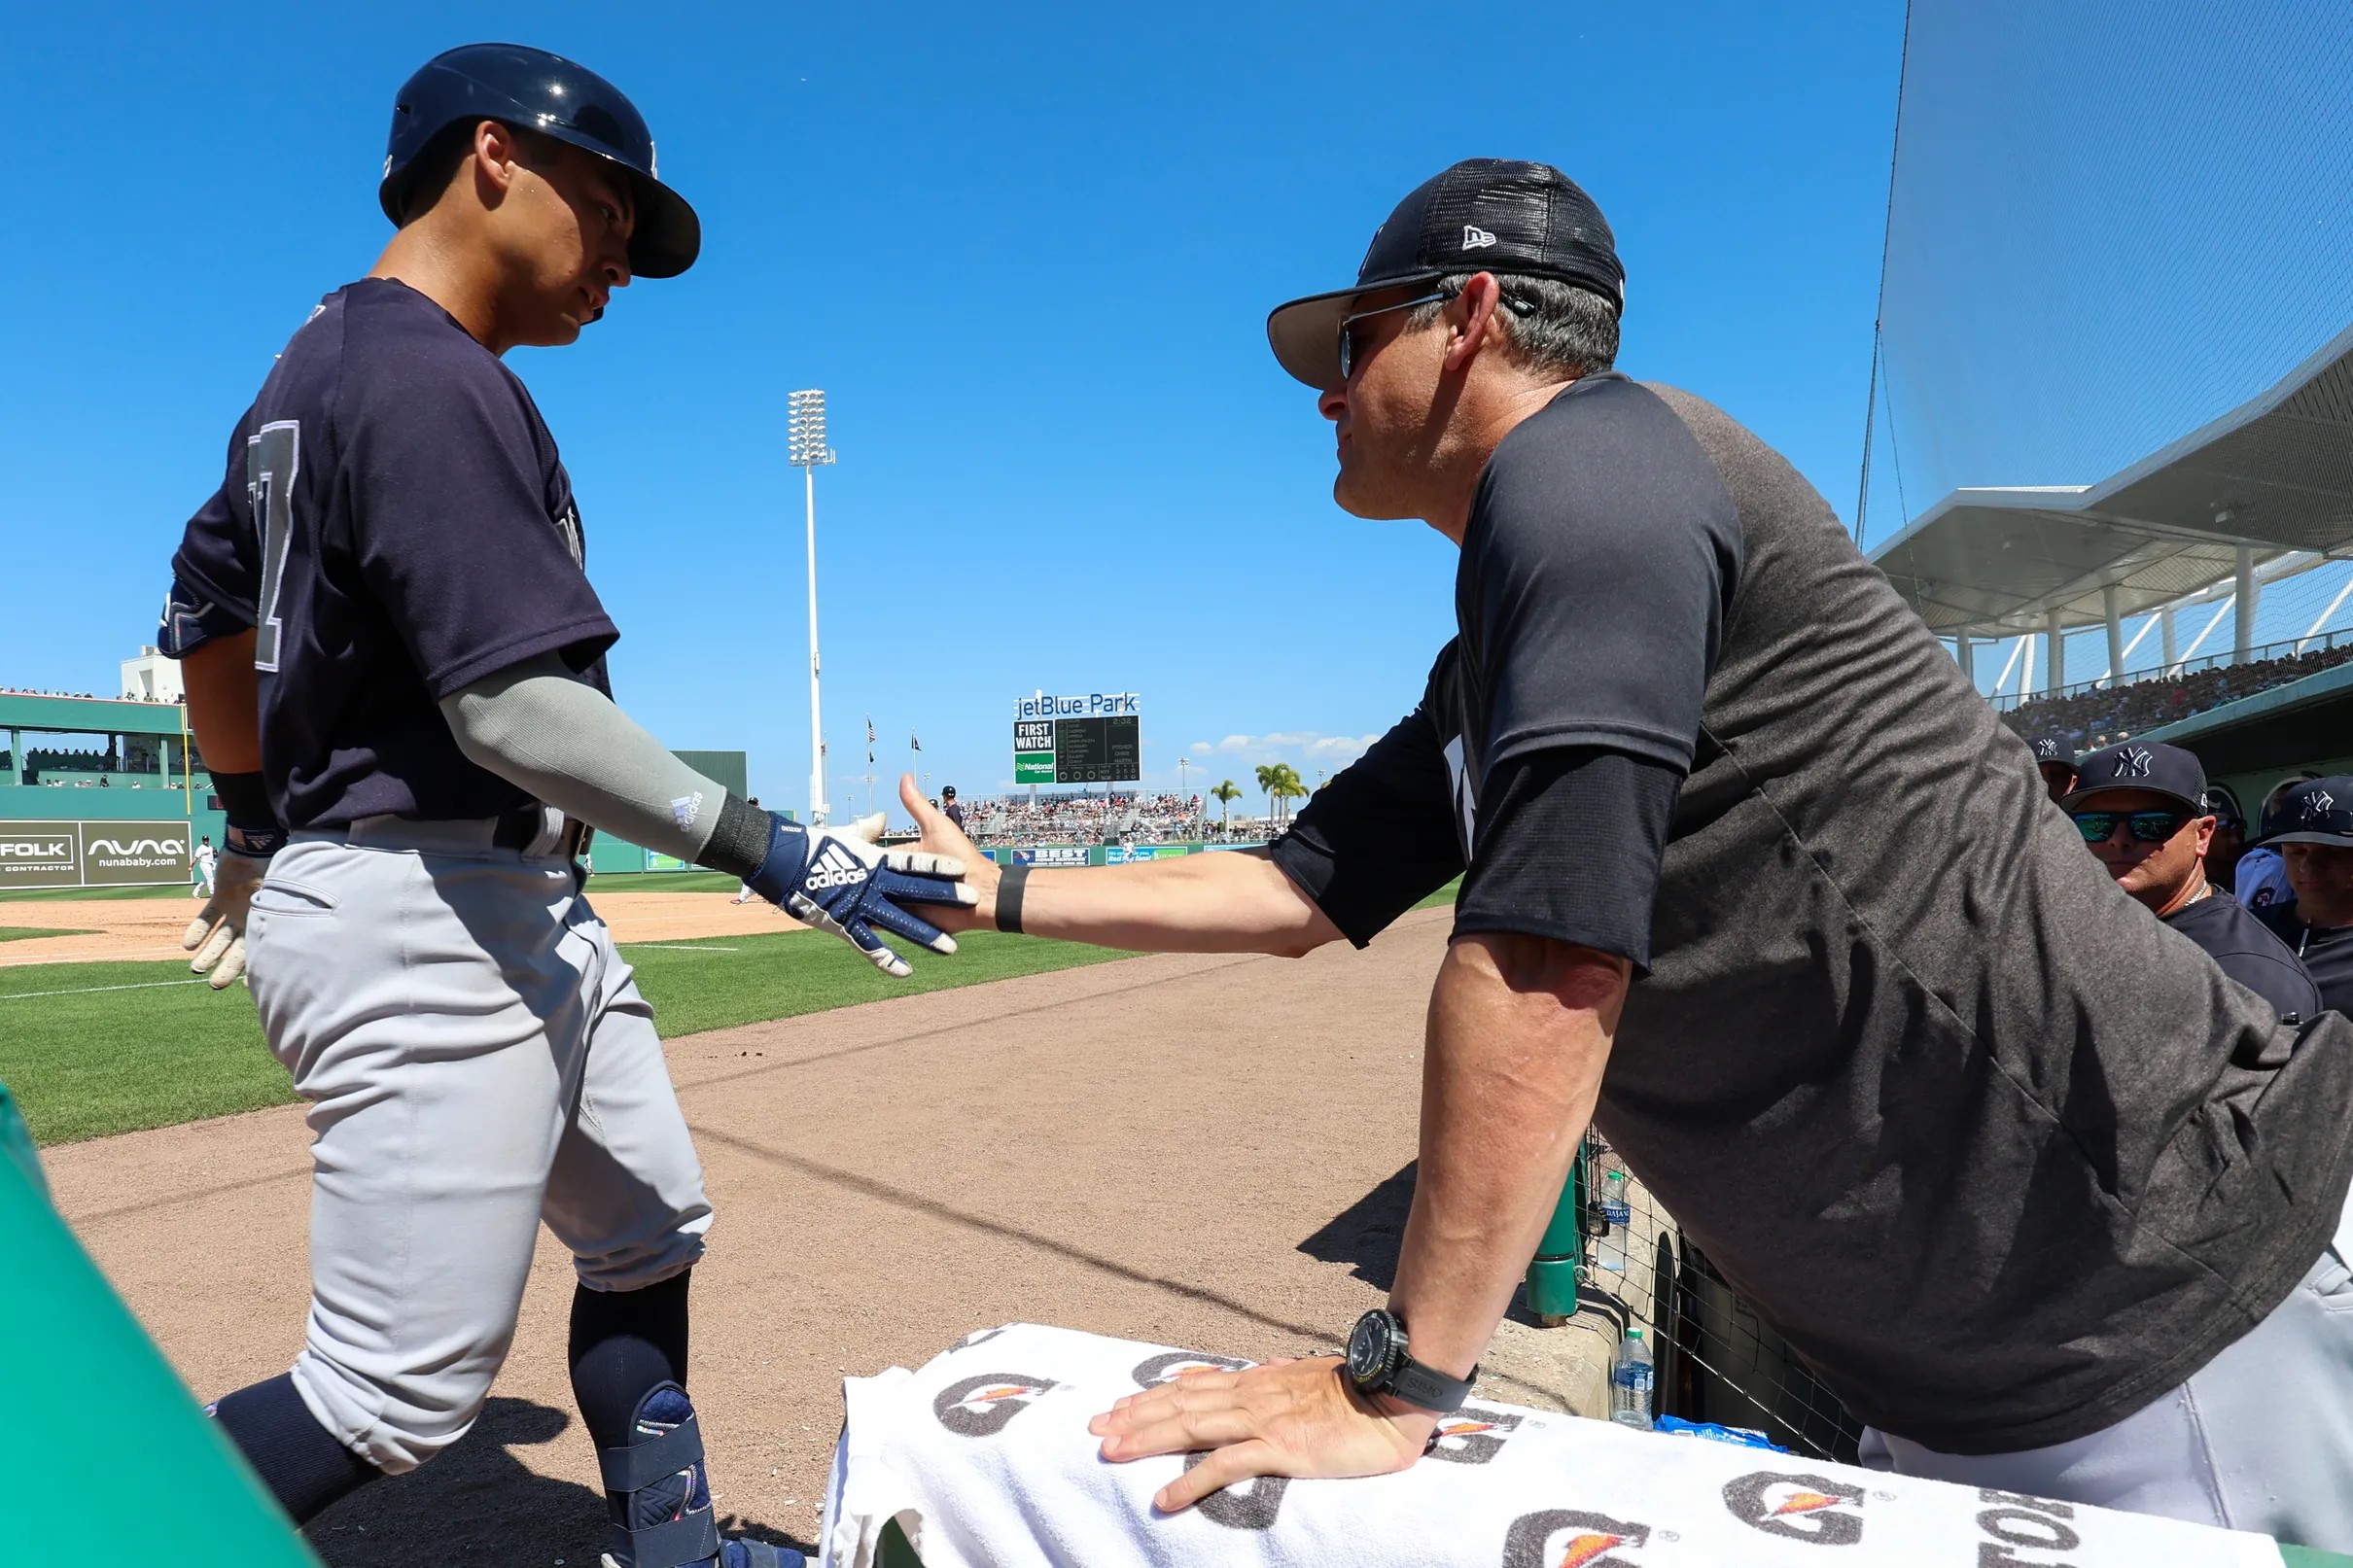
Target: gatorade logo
{"x":836,"y":867}
{"x":981,"y":1406}
{"x":1563,"y":1537}
{"x":1247,"y":1505}
{"x":1472,"y":1436}
{"x":2021,"y":1524}
{"x":1797,"y":1508}
{"x":1166,"y":1369}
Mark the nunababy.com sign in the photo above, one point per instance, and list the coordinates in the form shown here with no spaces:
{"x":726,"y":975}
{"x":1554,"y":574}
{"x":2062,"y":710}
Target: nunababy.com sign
{"x":92,"y":855}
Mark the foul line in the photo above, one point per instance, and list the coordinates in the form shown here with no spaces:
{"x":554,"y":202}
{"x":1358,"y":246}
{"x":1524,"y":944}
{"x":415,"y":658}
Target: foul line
{"x":91,"y":991}
{"x":681,"y":947}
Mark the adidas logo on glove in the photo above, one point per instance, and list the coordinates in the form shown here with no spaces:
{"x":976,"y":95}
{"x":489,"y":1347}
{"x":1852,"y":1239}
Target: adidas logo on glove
{"x":836,"y":868}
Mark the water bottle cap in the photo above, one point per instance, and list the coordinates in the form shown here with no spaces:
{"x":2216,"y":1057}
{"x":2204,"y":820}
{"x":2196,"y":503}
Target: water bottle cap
{"x":1633,"y":1333}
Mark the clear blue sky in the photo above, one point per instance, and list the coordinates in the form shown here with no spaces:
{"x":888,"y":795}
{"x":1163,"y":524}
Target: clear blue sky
{"x":1030,"y":258}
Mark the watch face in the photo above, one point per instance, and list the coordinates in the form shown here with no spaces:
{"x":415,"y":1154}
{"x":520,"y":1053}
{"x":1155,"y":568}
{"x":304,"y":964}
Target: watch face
{"x":1368,"y":1347}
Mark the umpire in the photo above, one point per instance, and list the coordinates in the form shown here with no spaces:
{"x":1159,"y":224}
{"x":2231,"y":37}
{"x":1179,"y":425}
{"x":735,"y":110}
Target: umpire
{"x":1754,"y":880}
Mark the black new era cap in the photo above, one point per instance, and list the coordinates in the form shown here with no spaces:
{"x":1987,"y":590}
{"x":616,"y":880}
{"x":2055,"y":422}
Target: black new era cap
{"x":2318,"y":811}
{"x":2165,"y":770}
{"x":2053,"y":748}
{"x":1483,"y":215}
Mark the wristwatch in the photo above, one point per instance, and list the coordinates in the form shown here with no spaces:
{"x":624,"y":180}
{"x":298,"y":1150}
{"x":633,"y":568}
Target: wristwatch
{"x":1377,"y":1364}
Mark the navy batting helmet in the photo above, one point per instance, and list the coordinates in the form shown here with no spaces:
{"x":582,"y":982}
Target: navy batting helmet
{"x":539,"y":91}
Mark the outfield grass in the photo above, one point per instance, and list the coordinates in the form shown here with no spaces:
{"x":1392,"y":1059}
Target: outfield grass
{"x":662,"y":882}
{"x":89,"y":1048}
{"x":26,"y":933}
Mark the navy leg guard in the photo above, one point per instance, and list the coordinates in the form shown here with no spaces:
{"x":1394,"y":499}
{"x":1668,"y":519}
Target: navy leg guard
{"x":659,"y":1494}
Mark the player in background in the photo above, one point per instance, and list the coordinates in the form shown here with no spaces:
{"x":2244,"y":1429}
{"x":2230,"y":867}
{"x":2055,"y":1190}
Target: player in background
{"x":395,"y":664}
{"x":204,"y":861}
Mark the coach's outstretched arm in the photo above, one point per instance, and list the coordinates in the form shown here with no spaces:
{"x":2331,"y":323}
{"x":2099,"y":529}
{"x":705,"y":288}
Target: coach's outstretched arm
{"x":1238,"y":901}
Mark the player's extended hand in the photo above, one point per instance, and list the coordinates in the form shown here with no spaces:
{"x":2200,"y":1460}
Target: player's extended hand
{"x":217,"y":935}
{"x":941,"y":837}
{"x":835,"y":880}
{"x":1297,"y":1418}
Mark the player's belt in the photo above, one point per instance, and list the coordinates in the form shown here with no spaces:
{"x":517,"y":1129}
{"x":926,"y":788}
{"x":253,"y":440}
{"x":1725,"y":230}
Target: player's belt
{"x":541,"y":830}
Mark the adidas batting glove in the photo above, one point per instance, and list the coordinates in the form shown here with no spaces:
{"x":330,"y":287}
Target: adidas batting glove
{"x":839,"y":882}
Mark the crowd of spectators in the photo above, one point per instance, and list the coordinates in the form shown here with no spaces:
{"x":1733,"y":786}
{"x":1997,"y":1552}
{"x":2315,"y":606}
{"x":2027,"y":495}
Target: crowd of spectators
{"x":2110,"y":714}
{"x":1115,"y":819}
{"x":91,"y":696}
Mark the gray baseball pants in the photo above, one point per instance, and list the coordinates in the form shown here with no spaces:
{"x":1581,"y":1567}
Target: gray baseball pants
{"x":2260,"y":1439}
{"x":477,"y":1059}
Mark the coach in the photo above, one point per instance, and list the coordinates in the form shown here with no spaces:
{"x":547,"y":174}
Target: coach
{"x":1754,"y":879}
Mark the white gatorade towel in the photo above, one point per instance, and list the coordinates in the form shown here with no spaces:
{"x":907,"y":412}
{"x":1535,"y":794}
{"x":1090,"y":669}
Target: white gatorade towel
{"x":984,"y":1459}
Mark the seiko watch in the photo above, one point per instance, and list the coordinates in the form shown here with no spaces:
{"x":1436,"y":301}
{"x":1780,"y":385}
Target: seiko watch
{"x":1377,"y":1364}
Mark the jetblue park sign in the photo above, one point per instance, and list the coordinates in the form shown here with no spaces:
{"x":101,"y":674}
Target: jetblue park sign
{"x":1092,"y":705}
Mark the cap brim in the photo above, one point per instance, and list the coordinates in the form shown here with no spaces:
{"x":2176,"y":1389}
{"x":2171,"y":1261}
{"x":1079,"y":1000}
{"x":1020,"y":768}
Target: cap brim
{"x":1304,"y":332}
{"x":2343,"y":841}
{"x":2075,"y":797}
{"x":668,"y":236}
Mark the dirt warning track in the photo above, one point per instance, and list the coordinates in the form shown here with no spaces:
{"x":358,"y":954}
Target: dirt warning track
{"x":1194,"y":1150}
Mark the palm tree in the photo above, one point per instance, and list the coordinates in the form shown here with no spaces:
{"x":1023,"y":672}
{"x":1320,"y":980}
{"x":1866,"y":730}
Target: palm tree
{"x":1226,"y":794}
{"x":1267,"y":778}
{"x":1288,"y":787}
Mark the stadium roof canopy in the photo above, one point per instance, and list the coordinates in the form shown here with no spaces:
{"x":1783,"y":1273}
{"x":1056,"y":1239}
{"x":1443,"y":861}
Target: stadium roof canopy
{"x":2275,"y":474}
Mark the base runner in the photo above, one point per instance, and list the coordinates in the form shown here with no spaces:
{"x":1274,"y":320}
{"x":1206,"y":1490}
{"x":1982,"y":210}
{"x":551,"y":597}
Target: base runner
{"x":395,"y":664}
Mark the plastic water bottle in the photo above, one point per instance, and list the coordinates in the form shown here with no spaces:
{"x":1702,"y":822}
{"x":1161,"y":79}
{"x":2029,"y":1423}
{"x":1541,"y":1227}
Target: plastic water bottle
{"x":1611,"y":1253}
{"x":1629,"y":1377}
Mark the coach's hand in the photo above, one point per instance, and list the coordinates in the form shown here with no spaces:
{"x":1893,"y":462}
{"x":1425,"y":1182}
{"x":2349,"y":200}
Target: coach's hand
{"x":217,"y":935}
{"x":835,"y":880}
{"x":943,"y":838}
{"x":1298,"y":1418}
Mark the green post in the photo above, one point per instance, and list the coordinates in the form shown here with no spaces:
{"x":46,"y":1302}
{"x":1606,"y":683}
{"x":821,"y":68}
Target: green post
{"x":1551,"y":1278}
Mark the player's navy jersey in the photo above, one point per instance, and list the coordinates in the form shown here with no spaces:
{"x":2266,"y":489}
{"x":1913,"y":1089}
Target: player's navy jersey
{"x":395,"y":525}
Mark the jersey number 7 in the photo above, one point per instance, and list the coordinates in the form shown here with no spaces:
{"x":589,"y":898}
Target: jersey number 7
{"x":273,"y":455}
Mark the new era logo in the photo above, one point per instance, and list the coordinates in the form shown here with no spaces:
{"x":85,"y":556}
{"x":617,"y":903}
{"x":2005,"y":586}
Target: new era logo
{"x":836,"y":867}
{"x":1475,"y":238}
{"x":2133,"y":764}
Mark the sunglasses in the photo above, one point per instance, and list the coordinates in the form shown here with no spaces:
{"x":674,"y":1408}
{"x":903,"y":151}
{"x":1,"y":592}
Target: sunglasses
{"x":1349,"y":353}
{"x":2149,"y":826}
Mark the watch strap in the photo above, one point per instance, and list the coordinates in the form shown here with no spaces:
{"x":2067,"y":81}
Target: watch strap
{"x":1430,"y":1388}
{"x":1009,"y":888}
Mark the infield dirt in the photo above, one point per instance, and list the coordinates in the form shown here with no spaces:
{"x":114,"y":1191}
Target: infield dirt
{"x":97,"y":929}
{"x":1207,"y":1152}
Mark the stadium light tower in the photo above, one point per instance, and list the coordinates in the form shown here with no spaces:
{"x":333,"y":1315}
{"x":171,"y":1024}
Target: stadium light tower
{"x":805,"y":431}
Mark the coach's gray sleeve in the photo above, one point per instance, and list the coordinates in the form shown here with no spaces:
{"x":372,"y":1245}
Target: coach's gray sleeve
{"x":544,"y":731}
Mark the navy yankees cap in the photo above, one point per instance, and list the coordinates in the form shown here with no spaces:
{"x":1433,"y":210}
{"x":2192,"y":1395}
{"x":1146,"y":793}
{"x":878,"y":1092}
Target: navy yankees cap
{"x":2151,"y":765}
{"x":1483,"y":215}
{"x":2053,"y":748}
{"x":2318,"y":811}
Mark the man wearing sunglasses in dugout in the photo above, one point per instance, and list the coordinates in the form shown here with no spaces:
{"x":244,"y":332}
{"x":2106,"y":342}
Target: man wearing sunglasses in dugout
{"x":1754,"y":879}
{"x":2141,"y":808}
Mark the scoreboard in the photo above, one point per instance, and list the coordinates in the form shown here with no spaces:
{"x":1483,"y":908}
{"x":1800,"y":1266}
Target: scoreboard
{"x":1094,"y":739}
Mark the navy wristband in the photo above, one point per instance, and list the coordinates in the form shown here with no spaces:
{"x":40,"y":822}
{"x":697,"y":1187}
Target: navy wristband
{"x":1008,"y":898}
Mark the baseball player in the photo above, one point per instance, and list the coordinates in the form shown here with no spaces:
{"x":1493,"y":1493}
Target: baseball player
{"x":206,"y":857}
{"x":394,"y":663}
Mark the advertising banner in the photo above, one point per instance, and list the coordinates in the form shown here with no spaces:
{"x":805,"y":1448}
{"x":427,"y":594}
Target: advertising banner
{"x":40,"y":855}
{"x":1032,"y":767}
{"x":117,"y":855}
{"x":1118,"y":855}
{"x":92,"y":855}
{"x":1052,"y":855}
{"x":1095,"y":738}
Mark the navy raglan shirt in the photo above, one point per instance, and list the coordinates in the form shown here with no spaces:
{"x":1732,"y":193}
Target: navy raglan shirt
{"x":396,"y":525}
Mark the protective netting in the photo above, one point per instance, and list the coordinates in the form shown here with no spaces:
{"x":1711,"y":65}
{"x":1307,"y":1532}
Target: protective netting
{"x":1717,"y":1360}
{"x":2110,"y":224}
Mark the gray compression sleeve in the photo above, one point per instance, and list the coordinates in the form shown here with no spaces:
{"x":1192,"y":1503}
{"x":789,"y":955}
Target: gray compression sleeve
{"x":546,"y":732}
